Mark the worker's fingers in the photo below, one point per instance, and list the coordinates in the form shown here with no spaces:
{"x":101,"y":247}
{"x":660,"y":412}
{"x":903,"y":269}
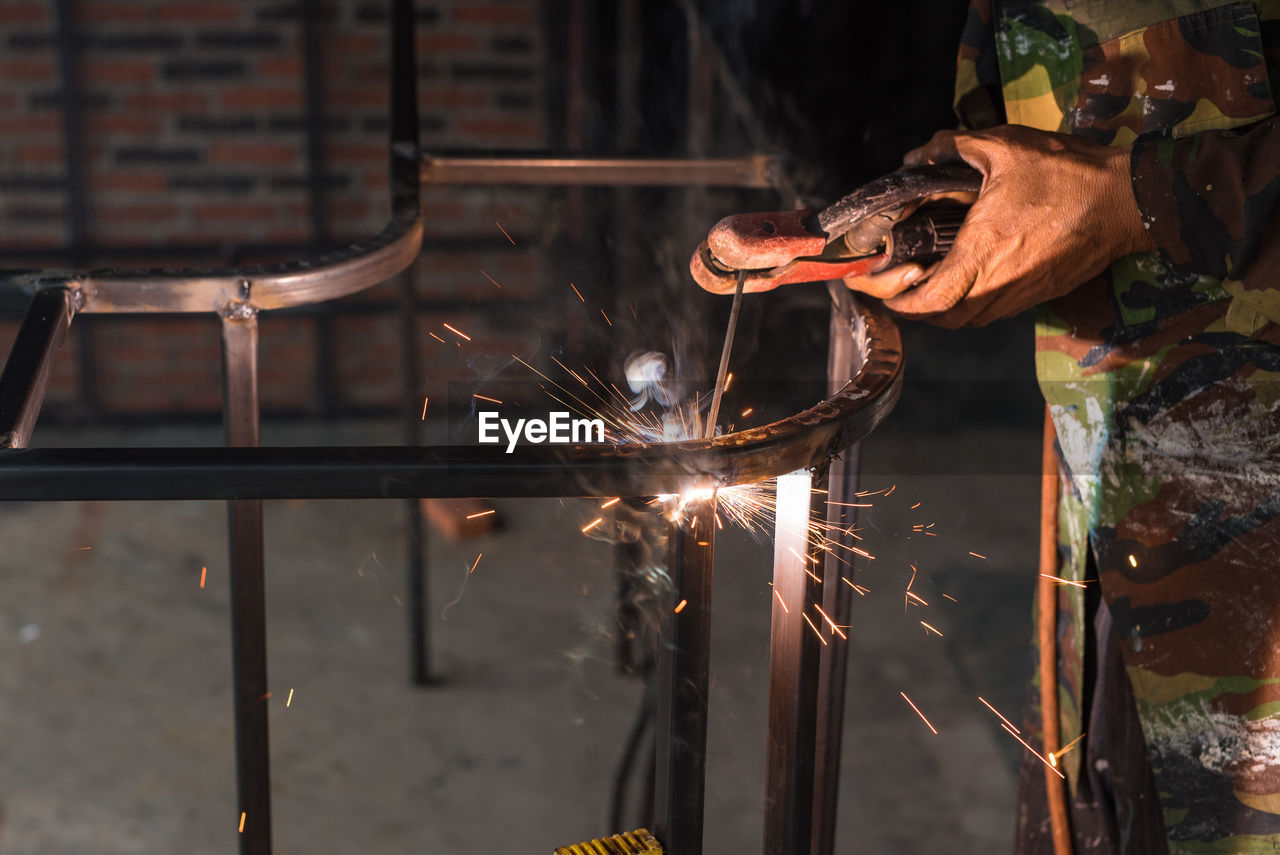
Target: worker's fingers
{"x":941,"y":147}
{"x":947,"y":283}
{"x":887,"y":283}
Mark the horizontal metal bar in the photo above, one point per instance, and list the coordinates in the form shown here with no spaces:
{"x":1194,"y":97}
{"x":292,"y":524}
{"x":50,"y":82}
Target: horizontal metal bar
{"x":26,"y":372}
{"x":754,"y":171}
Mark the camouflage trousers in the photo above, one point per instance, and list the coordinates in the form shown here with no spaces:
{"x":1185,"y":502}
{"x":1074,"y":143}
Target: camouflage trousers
{"x":1169,"y":446}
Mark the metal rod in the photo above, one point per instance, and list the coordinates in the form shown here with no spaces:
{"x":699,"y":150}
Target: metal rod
{"x":248,"y":595}
{"x":843,"y":362}
{"x":416,"y":540}
{"x":26,"y":373}
{"x":684,"y":678}
{"x":722,"y":372}
{"x":754,"y":171}
{"x":793,"y":675}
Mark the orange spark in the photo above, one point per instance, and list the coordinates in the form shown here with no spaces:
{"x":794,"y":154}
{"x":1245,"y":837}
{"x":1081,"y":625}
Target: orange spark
{"x":680,"y":606}
{"x":1033,"y":751}
{"x":976,"y":555}
{"x":576,"y":291}
{"x":475,"y":564}
{"x":748,"y":411}
{"x":606,"y":318}
{"x":289,"y":699}
{"x":437,"y":338}
{"x":1064,"y":581}
{"x":242,"y":822}
{"x":917,"y":598}
{"x":861,"y":590}
{"x":203,"y":571}
{"x":490,"y":278}
{"x":455,"y":330}
{"x":633,"y":312}
{"x":834,"y":627}
{"x":890,"y":491}
{"x":997,"y":712}
{"x":718,"y":523}
{"x":814,"y":628}
{"x":728,"y":378}
{"x":917,"y":709}
{"x":1133,"y":562}
{"x":504,"y":231}
{"x":951,"y":598}
{"x":916,"y":505}
{"x":1064,"y":749}
{"x":592,"y":524}
{"x":780,"y":602}
{"x":930,"y":628}
{"x":486,"y":398}
{"x":851,"y":504}
{"x":913,"y":576}
{"x":424,"y":408}
{"x":482,"y":513}
{"x":610,"y":503}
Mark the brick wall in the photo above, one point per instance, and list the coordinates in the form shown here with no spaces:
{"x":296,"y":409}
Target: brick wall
{"x":194,"y":123}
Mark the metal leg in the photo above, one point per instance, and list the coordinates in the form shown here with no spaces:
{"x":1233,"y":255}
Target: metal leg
{"x":26,"y":373}
{"x":416,"y":534}
{"x":684,"y":677}
{"x":793,"y":674}
{"x":248,"y":596}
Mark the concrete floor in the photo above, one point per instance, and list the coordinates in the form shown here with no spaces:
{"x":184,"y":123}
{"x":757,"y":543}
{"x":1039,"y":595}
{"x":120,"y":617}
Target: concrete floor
{"x":114,"y":670}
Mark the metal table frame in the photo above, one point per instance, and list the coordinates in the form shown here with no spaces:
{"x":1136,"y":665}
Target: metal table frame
{"x":806,"y":690}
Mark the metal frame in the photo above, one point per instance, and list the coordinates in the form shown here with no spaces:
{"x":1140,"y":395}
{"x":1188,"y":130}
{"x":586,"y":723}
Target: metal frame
{"x":806,"y":684}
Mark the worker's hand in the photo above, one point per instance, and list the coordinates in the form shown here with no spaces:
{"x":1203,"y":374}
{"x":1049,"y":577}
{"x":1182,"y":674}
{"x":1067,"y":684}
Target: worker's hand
{"x":1053,"y":212}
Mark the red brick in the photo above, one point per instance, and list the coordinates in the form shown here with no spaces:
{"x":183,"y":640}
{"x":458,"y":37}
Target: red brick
{"x":107,"y":11}
{"x":149,"y":212}
{"x":287,"y":361}
{"x":496,"y":14}
{"x":257,"y":97}
{"x":430,"y":42}
{"x":367,"y":352}
{"x":108,"y":71}
{"x":346,"y":44}
{"x":236,"y":211}
{"x":128,"y":182}
{"x":261,"y":153}
{"x":367,"y":96}
{"x":165,"y":102}
{"x":124,"y":124}
{"x":277,"y":66}
{"x":373,"y":152}
{"x":12,"y":12}
{"x":27,"y":155}
{"x":27,"y":70}
{"x":454,"y":98}
{"x":195,"y":11}
{"x":513,"y":130}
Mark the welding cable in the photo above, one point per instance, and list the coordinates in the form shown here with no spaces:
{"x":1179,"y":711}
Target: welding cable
{"x":644,"y":720}
{"x":1047,"y":624}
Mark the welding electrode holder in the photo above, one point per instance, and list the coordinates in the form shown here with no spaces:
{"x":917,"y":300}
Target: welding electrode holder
{"x":857,"y":235}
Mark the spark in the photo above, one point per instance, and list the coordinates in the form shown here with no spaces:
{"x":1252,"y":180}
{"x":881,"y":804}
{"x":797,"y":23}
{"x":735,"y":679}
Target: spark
{"x":951,"y":598}
{"x":486,"y":398}
{"x":781,"y":602}
{"x":455,"y":330}
{"x":930,"y":628}
{"x":834,"y":627}
{"x":916,"y":505}
{"x":475,"y":564}
{"x":851,"y":504}
{"x":719,"y":524}
{"x":576,"y":291}
{"x":592,"y":524}
{"x":917,"y":597}
{"x":861,"y":590}
{"x":889,"y":492}
{"x":917,"y":709}
{"x":748,"y":411}
{"x":437,"y":338}
{"x":1133,"y":562}
{"x":1064,"y":749}
{"x":997,"y":712}
{"x":728,"y":378}
{"x":610,"y":503}
{"x":289,"y":699}
{"x":913,"y":576}
{"x":504,"y":232}
{"x":1033,"y":751}
{"x":606,"y":318}
{"x":814,"y":628}
{"x":81,"y":548}
{"x":680,"y":606}
{"x":242,"y":822}
{"x":424,"y":408}
{"x":976,"y":555}
{"x":1064,"y":581}
{"x":633,"y":312}
{"x":482,"y":514}
{"x":203,"y":572}
{"x":490,"y":278}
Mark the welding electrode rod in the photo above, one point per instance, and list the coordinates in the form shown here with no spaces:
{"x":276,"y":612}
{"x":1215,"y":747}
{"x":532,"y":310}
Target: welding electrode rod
{"x":724,"y":356}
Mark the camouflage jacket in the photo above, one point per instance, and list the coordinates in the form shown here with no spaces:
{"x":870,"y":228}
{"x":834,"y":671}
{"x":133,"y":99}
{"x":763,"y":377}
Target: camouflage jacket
{"x":1162,"y":380}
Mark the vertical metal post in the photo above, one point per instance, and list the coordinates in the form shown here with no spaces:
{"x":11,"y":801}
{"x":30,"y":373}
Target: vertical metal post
{"x":793,"y":674}
{"x":248,"y":594}
{"x":26,"y":373}
{"x":684,"y":679}
{"x":843,"y":362}
{"x":416,"y":539}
